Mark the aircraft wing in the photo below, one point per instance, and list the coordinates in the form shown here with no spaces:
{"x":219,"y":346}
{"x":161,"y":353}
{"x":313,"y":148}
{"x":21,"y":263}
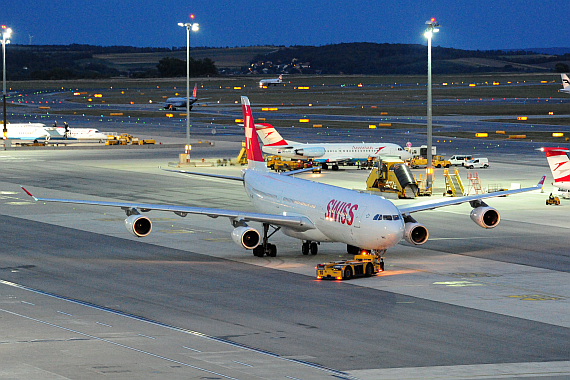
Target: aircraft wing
{"x":234,"y":178}
{"x":297,"y":223}
{"x":430,"y":205}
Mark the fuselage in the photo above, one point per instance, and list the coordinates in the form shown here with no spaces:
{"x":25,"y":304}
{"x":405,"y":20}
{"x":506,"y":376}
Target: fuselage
{"x":28,"y":132}
{"x":338,"y":152}
{"x":85,"y":134}
{"x":340,"y":215}
{"x":179,"y":102}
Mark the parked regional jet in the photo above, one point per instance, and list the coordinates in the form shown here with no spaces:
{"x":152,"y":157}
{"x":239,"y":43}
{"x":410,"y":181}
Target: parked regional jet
{"x":310,"y":211}
{"x":173,"y":103}
{"x":327,"y":154}
{"x":35,"y":132}
{"x":267,"y":82}
{"x":565,"y":84}
{"x":559,"y":166}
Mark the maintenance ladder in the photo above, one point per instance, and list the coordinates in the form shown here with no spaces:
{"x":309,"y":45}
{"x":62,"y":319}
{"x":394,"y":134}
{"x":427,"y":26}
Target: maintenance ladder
{"x":453,"y":184}
{"x":475,"y":183}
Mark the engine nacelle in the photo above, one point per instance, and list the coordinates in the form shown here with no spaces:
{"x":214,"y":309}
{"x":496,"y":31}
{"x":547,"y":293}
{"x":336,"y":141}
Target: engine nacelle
{"x":311,"y":152}
{"x":415,"y":233}
{"x":485,"y":216}
{"x":246,"y":237}
{"x":138,"y":225}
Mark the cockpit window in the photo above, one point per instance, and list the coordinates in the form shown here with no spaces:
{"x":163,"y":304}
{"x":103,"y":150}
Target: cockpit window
{"x":396,"y":217}
{"x":387,"y":217}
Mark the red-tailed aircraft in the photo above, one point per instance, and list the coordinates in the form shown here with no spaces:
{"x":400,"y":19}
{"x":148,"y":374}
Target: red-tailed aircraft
{"x":307,"y":210}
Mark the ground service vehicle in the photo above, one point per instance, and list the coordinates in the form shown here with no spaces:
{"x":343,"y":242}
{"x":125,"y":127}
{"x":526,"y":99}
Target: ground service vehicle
{"x":363,"y":265}
{"x":553,"y":200}
{"x":477,"y":163}
{"x":393,"y":177}
{"x":437,"y":162}
{"x":460,"y":159}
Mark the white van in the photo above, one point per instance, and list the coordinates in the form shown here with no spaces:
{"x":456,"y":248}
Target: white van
{"x":477,"y":163}
{"x":459,"y":159}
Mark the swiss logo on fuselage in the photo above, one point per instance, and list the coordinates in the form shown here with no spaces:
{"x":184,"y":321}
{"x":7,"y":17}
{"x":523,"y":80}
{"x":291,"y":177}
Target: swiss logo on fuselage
{"x":341,"y":212}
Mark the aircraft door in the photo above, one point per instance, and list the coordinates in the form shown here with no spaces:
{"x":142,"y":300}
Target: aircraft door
{"x":360,"y":215}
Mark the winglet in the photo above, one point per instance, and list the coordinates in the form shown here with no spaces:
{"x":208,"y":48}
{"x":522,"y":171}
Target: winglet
{"x":27,"y":192}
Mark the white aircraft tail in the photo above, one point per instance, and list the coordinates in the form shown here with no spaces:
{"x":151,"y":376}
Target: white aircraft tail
{"x":565,"y":83}
{"x":269,"y":136}
{"x":559,"y":163}
{"x":280,"y":78}
{"x":254,"y":157}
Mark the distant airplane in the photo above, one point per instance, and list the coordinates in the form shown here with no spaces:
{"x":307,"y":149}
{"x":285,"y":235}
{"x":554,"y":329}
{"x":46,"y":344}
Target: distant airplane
{"x":35,"y":132}
{"x":325,"y":153}
{"x":77,"y":134}
{"x":173,"y":103}
{"x":565,"y":84}
{"x":310,"y":211}
{"x":267,"y":82}
{"x":559,"y":166}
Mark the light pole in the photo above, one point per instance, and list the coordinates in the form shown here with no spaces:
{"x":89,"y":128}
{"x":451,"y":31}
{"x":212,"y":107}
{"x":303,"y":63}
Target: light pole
{"x":194,"y":27}
{"x":6,"y":32}
{"x":432,"y":27}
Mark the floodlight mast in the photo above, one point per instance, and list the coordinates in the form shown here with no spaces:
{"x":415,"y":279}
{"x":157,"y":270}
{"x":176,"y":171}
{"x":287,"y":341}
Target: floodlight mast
{"x":6,"y":33}
{"x":432,"y":27}
{"x":194,"y":27}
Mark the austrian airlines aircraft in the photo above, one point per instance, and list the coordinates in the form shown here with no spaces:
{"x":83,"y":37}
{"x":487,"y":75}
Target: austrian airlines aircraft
{"x":307,"y":210}
{"x":29,"y":132}
{"x":565,"y":84}
{"x":173,"y":103}
{"x":327,"y":154}
{"x":267,"y":82}
{"x":559,"y":166}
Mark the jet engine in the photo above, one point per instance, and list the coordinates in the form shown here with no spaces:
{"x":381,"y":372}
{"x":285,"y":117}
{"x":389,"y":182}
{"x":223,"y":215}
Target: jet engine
{"x":415,"y":233}
{"x":246,"y":237}
{"x":138,"y":225}
{"x":311,"y":152}
{"x":485,"y":216}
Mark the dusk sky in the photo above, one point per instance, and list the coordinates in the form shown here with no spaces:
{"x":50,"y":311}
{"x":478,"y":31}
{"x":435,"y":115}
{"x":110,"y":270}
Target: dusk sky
{"x":466,"y":24}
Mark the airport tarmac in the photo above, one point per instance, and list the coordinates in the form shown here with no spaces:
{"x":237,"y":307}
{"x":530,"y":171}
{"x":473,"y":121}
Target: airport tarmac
{"x":81,"y":298}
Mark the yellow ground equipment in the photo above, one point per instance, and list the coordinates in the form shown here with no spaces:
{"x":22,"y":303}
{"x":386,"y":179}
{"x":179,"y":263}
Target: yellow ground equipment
{"x":363,"y":265}
{"x":393,"y":177}
{"x":453,"y":184}
{"x":242,"y":156}
{"x":553,"y":200}
{"x":279,"y":165}
{"x":437,"y":162}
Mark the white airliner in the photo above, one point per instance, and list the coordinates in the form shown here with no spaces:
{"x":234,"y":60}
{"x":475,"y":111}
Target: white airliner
{"x":173,"y":103}
{"x":310,"y":211}
{"x":565,"y":84}
{"x":80,"y":134}
{"x":28,"y":132}
{"x":267,"y":82}
{"x":327,"y":154}
{"x":559,"y":166}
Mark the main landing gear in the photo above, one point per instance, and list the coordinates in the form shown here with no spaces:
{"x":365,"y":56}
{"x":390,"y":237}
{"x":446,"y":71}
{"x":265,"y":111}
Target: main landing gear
{"x":266,"y":248}
{"x":310,"y":246}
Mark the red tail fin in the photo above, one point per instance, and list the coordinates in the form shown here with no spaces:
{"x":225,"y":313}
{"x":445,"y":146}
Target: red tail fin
{"x":254,"y":156}
{"x":194,"y":92}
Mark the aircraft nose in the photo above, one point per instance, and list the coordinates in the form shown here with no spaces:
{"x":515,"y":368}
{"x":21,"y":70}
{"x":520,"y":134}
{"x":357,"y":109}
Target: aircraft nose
{"x":394,"y":233}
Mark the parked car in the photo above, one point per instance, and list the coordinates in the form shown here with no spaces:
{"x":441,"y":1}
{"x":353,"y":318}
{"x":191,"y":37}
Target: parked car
{"x":459,"y":159}
{"x":477,"y":163}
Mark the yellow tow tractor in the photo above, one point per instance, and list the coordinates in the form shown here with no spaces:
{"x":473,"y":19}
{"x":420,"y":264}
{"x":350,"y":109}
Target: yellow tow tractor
{"x":553,"y":200}
{"x":437,"y":162}
{"x":364,"y":264}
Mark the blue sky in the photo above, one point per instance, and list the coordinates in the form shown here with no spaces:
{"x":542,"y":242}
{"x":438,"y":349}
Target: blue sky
{"x":466,"y":24}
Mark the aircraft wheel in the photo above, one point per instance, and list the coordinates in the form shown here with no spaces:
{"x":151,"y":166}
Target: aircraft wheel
{"x":369,"y":271}
{"x":324,"y":166}
{"x":347,"y":274}
{"x":335,"y":167}
{"x":258,"y":251}
{"x":352,"y":250}
{"x":305,"y":248}
{"x":314,"y":248}
{"x":272,"y":250}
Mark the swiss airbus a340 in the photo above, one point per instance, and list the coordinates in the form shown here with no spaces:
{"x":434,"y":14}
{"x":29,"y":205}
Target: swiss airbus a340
{"x":307,"y":210}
